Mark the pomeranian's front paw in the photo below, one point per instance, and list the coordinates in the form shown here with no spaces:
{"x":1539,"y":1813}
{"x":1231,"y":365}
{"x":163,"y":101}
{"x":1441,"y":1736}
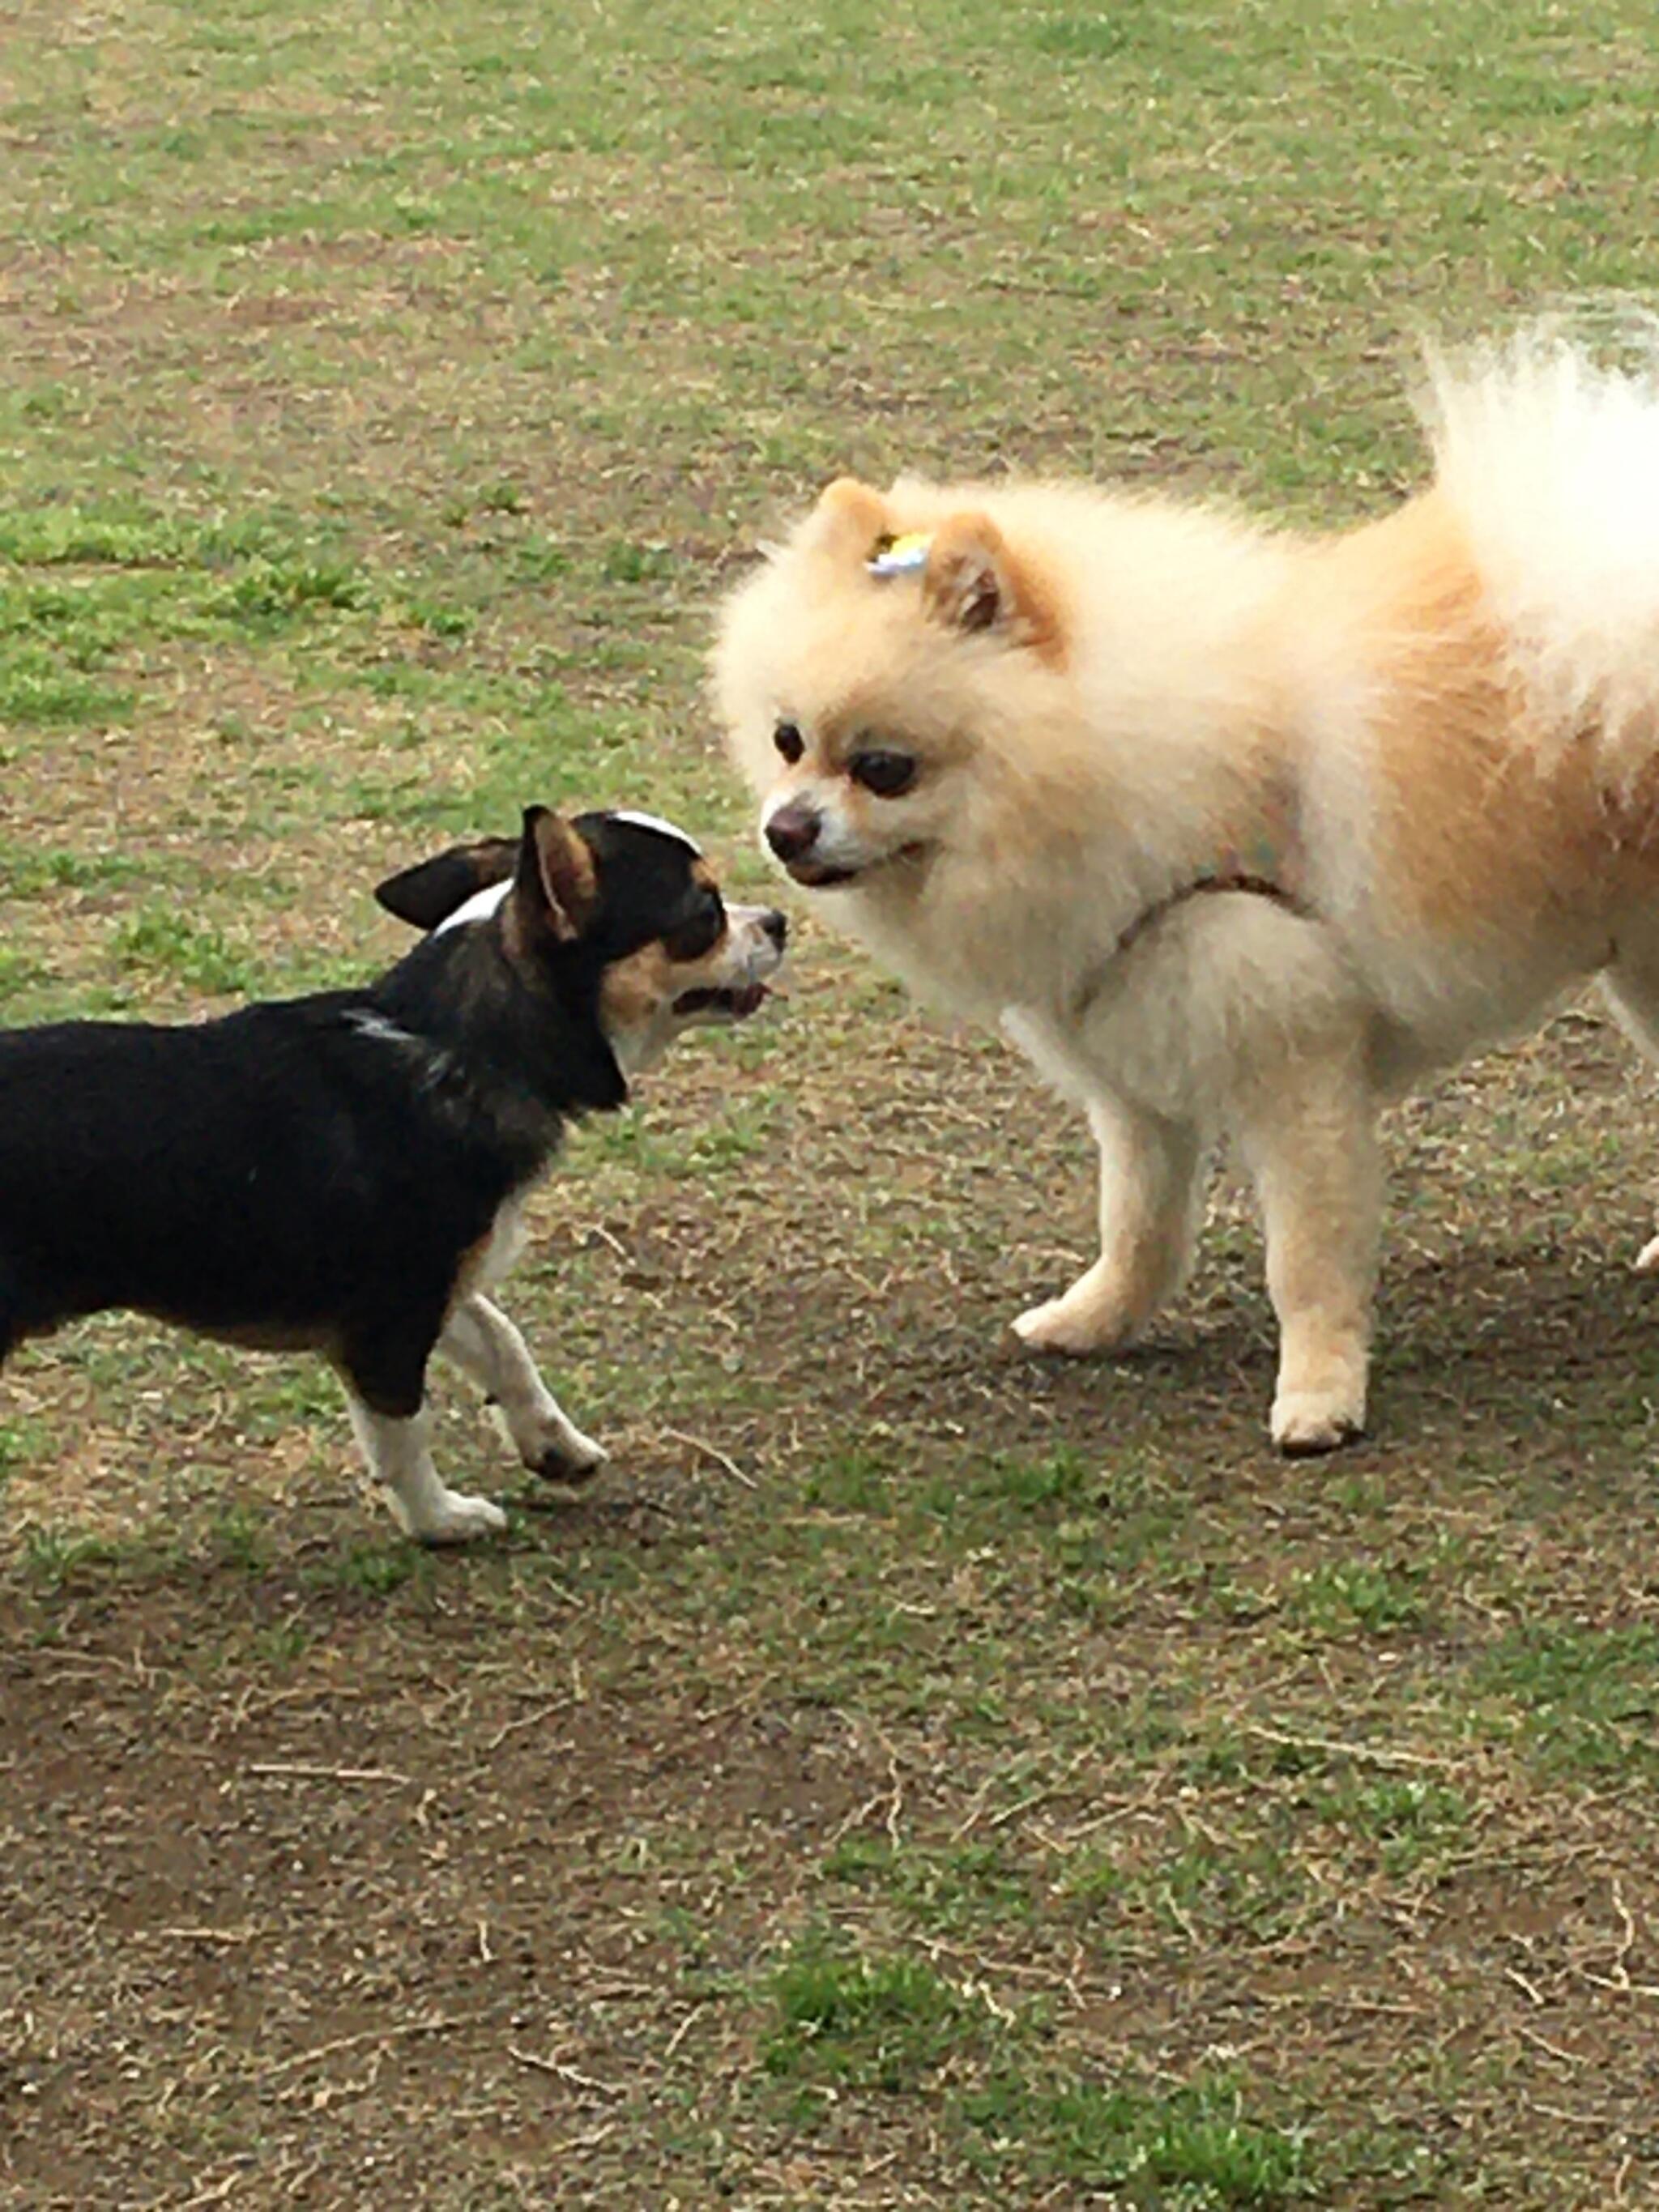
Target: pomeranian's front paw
{"x":1305,"y":1422}
{"x":448,"y":1517}
{"x":1059,"y":1326}
{"x":1091,"y":1317}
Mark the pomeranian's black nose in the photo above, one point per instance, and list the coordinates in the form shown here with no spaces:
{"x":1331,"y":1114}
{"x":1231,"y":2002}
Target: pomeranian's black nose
{"x":793,"y":832}
{"x":774,"y":925}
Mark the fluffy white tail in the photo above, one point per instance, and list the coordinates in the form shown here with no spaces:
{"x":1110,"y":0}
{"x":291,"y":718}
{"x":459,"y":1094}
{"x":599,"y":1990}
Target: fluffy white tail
{"x":1547,"y":446}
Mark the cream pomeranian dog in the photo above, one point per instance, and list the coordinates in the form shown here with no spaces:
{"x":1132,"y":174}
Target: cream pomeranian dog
{"x":1238,"y":831}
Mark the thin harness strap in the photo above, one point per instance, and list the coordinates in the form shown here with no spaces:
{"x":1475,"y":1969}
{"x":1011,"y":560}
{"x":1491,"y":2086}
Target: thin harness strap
{"x":1255,"y":886}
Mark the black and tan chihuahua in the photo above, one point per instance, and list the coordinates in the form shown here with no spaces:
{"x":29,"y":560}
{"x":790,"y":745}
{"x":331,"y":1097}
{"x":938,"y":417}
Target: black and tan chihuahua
{"x":344,"y":1173}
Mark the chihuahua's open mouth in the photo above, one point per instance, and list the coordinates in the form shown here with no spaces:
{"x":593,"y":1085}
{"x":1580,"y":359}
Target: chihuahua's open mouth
{"x":739,"y":1004}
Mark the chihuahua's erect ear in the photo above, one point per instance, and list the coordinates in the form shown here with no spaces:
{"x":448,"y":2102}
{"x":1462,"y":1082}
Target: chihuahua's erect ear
{"x":973,"y":581}
{"x":429,"y":892}
{"x":553,"y":880}
{"x":849,"y":521}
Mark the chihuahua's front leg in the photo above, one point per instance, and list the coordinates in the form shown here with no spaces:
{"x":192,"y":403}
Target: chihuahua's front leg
{"x":482,"y":1341}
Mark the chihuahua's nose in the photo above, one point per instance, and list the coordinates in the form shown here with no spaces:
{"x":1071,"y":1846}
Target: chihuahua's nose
{"x":774,"y":925}
{"x":792,"y":831}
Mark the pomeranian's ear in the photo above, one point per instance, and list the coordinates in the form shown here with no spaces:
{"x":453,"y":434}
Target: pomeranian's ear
{"x":554,"y":880}
{"x":430,"y":892}
{"x":850,"y":521}
{"x":974,"y":581}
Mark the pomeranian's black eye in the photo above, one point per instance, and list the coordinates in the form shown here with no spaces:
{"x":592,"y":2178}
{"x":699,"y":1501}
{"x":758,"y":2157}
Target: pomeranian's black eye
{"x":789,"y":741}
{"x":886,"y":774}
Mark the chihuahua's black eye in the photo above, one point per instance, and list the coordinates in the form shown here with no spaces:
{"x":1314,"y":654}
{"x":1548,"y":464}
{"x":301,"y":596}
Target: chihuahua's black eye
{"x":886,"y":774}
{"x":701,"y":931}
{"x":789,"y":741}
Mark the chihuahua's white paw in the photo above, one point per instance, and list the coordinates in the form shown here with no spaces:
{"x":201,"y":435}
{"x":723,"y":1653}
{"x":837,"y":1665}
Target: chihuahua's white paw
{"x":1308,"y":1421}
{"x":1647,"y":1259}
{"x":553,"y":1447}
{"x":568,"y":1457}
{"x":445,"y":1516}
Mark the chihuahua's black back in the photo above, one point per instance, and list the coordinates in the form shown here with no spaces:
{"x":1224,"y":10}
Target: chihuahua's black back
{"x":266,"y":1174}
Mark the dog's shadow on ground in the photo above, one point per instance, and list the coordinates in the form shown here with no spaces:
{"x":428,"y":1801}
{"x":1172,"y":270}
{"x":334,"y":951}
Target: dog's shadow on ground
{"x":1562,"y":1335}
{"x":1522,"y":1348}
{"x":1555,"y":1345}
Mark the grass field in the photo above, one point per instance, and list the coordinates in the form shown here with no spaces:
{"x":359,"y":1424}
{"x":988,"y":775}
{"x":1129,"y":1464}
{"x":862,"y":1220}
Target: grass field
{"x":916,"y":1776}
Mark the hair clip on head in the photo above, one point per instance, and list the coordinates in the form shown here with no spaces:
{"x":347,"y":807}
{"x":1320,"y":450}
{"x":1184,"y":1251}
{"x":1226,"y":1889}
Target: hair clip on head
{"x":901,"y":556}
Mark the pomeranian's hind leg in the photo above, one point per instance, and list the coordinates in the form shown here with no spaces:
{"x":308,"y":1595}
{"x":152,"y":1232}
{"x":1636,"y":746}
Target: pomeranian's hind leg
{"x":1631,"y":987}
{"x":1149,"y":1206}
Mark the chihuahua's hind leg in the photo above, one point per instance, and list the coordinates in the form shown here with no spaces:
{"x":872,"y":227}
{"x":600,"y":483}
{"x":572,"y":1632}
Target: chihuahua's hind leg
{"x":18,"y":1317}
{"x":482,"y":1341}
{"x":385,"y":1389}
{"x":1149,"y":1196}
{"x":398,"y":1454}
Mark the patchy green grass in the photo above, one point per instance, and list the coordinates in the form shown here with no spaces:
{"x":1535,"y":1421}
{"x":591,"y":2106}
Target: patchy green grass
{"x":54,"y":1558}
{"x":845,"y":2020}
{"x":1348,"y":1595}
{"x":155,"y":940}
{"x":952,"y":1885}
{"x":1416,"y":1824}
{"x":1191,"y":2150}
{"x":370,"y":1570}
{"x":1586,"y":1698}
{"x":912,"y":1775}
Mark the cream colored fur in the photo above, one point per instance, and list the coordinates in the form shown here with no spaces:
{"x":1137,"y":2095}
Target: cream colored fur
{"x":1441,"y":728}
